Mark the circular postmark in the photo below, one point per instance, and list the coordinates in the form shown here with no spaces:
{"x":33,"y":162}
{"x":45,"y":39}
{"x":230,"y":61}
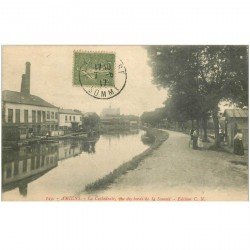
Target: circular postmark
{"x":101,"y":75}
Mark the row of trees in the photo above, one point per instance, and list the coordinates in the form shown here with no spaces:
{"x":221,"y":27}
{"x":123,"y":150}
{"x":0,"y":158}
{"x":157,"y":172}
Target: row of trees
{"x":154,"y":117}
{"x":198,"y":78}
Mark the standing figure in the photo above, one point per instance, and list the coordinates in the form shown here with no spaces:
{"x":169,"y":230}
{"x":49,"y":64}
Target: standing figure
{"x":195,"y":139}
{"x":191,"y":136}
{"x":238,"y":143}
{"x":222,"y":135}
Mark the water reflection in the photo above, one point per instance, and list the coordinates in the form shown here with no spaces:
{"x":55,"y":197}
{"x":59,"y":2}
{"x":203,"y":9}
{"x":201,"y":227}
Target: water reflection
{"x":64,"y":167}
{"x":29,"y":163}
{"x":89,"y":147}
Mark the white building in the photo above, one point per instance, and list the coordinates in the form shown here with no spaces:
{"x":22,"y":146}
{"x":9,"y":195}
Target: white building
{"x":70,"y":119}
{"x":23,"y":113}
{"x":29,"y":110}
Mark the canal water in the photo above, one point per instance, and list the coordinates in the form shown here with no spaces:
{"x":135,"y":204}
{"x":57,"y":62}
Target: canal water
{"x":54,"y":170}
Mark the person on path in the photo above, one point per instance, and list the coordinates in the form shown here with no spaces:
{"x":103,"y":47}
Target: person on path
{"x":238,"y":143}
{"x":195,"y":139}
{"x":191,"y":136}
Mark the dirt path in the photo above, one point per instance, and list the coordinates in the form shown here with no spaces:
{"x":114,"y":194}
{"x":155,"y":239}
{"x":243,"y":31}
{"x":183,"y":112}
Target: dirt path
{"x":176,"y":172}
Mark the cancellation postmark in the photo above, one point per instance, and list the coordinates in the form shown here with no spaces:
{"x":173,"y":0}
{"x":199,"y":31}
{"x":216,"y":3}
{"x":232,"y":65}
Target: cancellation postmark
{"x":101,"y":75}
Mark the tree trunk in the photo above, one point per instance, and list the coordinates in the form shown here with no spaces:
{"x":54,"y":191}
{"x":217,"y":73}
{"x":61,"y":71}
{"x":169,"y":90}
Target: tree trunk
{"x":216,"y":129}
{"x":192,"y":124}
{"x":204,"y":125}
{"x":198,"y":125}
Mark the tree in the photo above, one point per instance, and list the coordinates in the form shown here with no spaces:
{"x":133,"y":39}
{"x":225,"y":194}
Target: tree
{"x":208,"y":73}
{"x":130,"y":117}
{"x":91,"y":120}
{"x":154,"y":117}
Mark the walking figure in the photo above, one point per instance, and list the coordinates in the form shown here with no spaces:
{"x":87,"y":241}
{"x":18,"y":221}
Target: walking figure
{"x":238,"y":143}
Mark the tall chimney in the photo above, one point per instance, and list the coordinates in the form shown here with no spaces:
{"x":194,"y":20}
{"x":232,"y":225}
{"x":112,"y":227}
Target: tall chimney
{"x":25,"y":86}
{"x":23,"y":83}
{"x":27,"y":77}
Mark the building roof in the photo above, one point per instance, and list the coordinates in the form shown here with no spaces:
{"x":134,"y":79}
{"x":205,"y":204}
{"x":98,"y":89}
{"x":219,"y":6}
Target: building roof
{"x":69,"y":111}
{"x":22,"y":98}
{"x":236,"y":113}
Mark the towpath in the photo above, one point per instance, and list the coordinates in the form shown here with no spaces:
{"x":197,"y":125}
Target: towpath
{"x":176,"y":172}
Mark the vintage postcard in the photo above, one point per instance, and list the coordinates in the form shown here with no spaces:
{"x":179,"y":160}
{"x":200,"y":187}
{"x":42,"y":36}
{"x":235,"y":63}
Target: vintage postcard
{"x":125,"y":123}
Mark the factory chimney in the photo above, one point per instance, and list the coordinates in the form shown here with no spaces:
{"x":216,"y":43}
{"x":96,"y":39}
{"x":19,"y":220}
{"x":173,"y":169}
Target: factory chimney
{"x":25,"y":85}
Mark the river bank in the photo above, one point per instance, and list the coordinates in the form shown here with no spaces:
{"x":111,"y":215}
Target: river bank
{"x":156,"y":136}
{"x":176,"y":172}
{"x":12,"y":144}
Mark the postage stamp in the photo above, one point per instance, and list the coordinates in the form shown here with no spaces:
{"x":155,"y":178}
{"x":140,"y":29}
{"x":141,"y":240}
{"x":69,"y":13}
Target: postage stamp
{"x":100,"y":74}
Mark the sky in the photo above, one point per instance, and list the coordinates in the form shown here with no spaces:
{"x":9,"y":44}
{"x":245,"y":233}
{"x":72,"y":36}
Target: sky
{"x":51,"y":77}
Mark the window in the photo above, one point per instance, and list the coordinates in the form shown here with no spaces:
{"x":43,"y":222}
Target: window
{"x":56,"y":115}
{"x":56,"y":127}
{"x":17,"y":115}
{"x":66,"y":118}
{"x":52,"y":115}
{"x":44,"y":116}
{"x":26,"y":116}
{"x":10,"y":115}
{"x":39,"y":116}
{"x":70,"y":117}
{"x":33,"y":116}
{"x":3,"y":113}
{"x":48,"y":115}
{"x":8,"y":170}
{"x":74,"y":118}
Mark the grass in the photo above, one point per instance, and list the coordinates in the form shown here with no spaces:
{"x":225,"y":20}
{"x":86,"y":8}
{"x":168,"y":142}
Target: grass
{"x":103,"y":183}
{"x":239,"y":163}
{"x":218,"y":149}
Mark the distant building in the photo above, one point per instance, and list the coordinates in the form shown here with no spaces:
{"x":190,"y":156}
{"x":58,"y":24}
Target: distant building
{"x":24,"y":114}
{"x":110,"y":112}
{"x":236,"y":119}
{"x":111,"y":117}
{"x":70,"y":119}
